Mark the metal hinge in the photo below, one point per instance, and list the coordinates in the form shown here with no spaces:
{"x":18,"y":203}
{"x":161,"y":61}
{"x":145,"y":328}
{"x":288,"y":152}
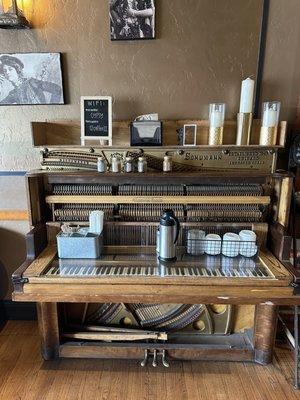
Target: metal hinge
{"x":17,"y":280}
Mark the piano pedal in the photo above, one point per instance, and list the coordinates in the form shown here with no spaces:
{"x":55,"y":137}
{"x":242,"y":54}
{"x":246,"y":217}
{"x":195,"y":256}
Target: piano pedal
{"x":145,"y":360}
{"x":155,"y":353}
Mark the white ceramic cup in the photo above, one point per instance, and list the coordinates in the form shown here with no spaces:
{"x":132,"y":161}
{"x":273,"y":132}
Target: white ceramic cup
{"x":195,"y":242}
{"x":213,"y":244}
{"x":231,"y":244}
{"x":248,"y":247}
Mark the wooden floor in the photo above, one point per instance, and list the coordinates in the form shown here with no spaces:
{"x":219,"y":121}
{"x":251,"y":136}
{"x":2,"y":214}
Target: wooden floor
{"x":24,"y":375}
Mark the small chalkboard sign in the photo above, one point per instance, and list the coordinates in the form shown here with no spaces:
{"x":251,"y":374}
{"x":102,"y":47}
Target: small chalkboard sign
{"x":96,"y":119}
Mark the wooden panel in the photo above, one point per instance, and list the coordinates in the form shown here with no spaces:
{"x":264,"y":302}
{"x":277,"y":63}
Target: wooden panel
{"x":36,"y":199}
{"x":136,"y":353}
{"x":274,"y":265}
{"x":285,"y":201}
{"x":14,"y":215}
{"x":158,"y":199}
{"x":78,"y":293}
{"x":67,"y":133}
{"x":41,"y":262}
{"x":281,"y":139}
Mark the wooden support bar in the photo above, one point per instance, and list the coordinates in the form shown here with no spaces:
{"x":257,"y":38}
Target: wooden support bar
{"x":13,"y":215}
{"x":265,"y":332}
{"x":285,"y":201}
{"x":265,"y":200}
{"x":49,"y":329}
{"x":145,"y":293}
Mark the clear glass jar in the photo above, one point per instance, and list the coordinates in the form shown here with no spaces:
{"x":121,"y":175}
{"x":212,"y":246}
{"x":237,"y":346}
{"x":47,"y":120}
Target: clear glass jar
{"x":101,"y":164}
{"x":128,"y":165}
{"x":142,"y":165}
{"x":167,"y":164}
{"x":115,"y":164}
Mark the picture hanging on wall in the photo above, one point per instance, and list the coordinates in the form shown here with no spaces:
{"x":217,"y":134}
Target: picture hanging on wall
{"x":132,"y":19}
{"x":31,"y":78}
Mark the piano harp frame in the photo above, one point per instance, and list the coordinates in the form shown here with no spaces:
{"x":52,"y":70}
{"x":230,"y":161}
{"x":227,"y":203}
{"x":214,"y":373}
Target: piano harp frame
{"x":267,"y":294}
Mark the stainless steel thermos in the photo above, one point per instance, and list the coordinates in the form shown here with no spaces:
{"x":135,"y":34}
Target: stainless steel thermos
{"x":169,"y":228}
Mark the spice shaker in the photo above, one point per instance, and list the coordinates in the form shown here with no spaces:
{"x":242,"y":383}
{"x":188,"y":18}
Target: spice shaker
{"x":115,"y":164}
{"x":101,"y":164}
{"x":142,"y":165}
{"x":167,"y":164}
{"x":128,"y":165}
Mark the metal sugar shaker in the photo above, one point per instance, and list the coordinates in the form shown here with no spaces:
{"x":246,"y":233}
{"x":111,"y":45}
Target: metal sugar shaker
{"x":128,"y":165}
{"x":101,"y":164}
{"x":167,"y":164}
{"x":115,"y":164}
{"x":142,"y":165}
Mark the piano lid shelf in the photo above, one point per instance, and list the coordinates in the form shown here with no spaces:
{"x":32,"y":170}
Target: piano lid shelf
{"x":86,"y":199}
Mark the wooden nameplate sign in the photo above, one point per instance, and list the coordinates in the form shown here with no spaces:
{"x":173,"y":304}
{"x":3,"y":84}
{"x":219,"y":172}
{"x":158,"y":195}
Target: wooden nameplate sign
{"x":96,"y":120}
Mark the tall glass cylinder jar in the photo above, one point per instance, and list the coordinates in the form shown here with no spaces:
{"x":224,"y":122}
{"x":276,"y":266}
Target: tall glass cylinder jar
{"x":216,"y":123}
{"x":270,"y":120}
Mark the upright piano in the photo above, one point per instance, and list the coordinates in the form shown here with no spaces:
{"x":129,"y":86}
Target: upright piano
{"x":128,"y":304}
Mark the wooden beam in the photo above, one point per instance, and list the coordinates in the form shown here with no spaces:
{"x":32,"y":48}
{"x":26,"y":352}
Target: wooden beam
{"x":158,"y":200}
{"x":13,"y":215}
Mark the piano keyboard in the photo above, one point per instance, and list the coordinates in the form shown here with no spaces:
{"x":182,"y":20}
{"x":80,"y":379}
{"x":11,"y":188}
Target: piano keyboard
{"x":84,"y":268}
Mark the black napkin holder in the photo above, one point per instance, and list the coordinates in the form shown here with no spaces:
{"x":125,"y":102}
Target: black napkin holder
{"x":146,"y":133}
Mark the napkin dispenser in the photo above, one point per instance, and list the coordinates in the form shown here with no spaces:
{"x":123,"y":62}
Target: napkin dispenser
{"x":146,"y":133}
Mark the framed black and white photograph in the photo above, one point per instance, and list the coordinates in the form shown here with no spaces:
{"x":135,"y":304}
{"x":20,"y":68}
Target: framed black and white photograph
{"x":31,"y":78}
{"x":132,"y":19}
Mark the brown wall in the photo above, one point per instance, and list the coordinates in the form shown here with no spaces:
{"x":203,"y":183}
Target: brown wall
{"x":281,"y":80}
{"x":203,"y":50}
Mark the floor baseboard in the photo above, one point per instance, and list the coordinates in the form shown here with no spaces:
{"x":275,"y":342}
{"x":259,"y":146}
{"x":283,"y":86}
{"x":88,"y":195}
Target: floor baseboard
{"x":10,"y":310}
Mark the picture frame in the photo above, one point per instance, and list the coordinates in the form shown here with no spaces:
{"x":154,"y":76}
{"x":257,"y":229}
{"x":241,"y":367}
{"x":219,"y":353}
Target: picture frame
{"x":31,"y":79}
{"x":96,"y":119}
{"x":190,"y":130}
{"x":132,"y":20}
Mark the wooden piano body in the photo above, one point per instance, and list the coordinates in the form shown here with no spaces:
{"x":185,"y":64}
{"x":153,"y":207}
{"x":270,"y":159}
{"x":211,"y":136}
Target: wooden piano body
{"x":198,"y":307}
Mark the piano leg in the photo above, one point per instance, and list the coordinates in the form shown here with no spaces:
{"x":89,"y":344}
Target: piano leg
{"x":49,"y":329}
{"x":265,"y":332}
{"x":296,"y":347}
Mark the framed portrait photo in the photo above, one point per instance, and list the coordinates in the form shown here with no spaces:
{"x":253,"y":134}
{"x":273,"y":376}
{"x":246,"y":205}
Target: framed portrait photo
{"x":132,"y":19}
{"x":31,"y":78}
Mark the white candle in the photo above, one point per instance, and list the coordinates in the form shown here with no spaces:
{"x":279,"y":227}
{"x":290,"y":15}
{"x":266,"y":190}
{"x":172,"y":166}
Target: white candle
{"x":247,"y":94}
{"x":96,"y":222}
{"x":216,"y":119}
{"x":270,"y":118}
{"x":271,"y":112}
{"x":216,"y":115}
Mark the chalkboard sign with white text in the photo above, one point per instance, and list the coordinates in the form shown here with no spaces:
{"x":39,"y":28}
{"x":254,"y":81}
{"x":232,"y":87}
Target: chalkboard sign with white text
{"x":96,"y":118}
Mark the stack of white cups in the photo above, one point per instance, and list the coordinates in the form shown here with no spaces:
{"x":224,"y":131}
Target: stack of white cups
{"x":195,"y":242}
{"x":248,"y":247}
{"x":231,"y":244}
{"x":213,"y":244}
